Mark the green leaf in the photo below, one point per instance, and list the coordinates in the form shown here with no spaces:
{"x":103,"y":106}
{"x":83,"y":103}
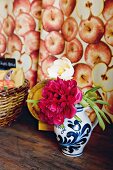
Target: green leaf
{"x":94,"y":89}
{"x":100,"y":121}
{"x":98,"y":112}
{"x":84,"y":103}
{"x":102,"y":102}
{"x":62,"y":126}
{"x":5,"y":87}
{"x":102,"y":113}
{"x":91,"y":95}
{"x":77,"y":118}
{"x":92,"y":98}
{"x":32,"y":101}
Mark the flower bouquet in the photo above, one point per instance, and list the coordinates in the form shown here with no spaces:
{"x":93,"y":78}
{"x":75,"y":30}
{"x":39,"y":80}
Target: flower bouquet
{"x":60,"y":99}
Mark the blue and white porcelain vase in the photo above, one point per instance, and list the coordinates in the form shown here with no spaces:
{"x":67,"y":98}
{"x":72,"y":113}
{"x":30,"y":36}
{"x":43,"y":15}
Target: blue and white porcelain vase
{"x":74,"y":134}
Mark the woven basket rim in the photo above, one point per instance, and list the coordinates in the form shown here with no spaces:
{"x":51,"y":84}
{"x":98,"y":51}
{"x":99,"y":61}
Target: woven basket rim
{"x":10,"y":91}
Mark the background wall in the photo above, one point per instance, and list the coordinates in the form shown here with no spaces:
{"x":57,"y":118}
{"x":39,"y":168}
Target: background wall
{"x":82,"y":31}
{"x":19,"y":34}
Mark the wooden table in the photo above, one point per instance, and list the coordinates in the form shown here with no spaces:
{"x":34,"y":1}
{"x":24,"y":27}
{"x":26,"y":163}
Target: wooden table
{"x":23,"y":147}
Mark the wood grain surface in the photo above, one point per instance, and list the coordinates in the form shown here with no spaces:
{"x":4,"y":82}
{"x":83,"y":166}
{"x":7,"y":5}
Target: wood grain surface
{"x":23,"y":147}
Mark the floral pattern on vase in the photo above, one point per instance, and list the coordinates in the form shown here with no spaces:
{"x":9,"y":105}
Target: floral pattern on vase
{"x":74,"y":134}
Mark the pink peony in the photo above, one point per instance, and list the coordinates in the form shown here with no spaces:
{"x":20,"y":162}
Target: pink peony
{"x":58,"y":101}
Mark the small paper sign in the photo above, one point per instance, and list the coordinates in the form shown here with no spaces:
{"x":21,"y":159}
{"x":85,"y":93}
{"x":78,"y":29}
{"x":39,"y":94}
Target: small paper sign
{"x":7,"y":63}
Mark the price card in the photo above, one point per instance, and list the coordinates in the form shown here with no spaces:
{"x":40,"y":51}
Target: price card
{"x":7,"y":63}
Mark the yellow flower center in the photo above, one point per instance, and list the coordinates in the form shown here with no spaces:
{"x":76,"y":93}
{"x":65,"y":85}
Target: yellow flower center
{"x":63,"y":69}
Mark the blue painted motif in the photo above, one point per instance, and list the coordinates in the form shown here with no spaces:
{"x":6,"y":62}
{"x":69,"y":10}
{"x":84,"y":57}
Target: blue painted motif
{"x":76,"y":137}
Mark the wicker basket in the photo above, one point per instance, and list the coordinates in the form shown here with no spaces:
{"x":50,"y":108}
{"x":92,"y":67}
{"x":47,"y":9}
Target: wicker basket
{"x":11,"y":103}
